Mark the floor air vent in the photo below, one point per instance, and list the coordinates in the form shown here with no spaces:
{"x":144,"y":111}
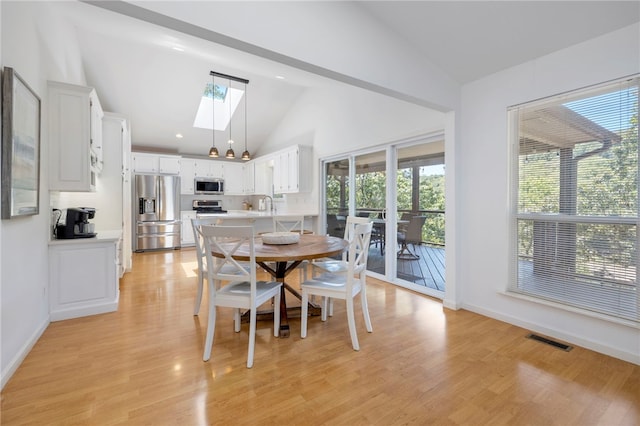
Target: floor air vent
{"x":553,"y":343}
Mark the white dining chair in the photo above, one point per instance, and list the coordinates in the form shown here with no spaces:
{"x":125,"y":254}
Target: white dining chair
{"x":345,"y":286}
{"x":292,"y":223}
{"x":243,"y":290}
{"x":321,"y":266}
{"x":200,"y":253}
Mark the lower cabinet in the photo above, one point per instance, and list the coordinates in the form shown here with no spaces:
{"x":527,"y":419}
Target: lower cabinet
{"x":186,"y":236}
{"x":83,"y":277}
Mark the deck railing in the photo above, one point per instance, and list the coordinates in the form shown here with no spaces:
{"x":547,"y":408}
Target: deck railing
{"x":432,"y":230}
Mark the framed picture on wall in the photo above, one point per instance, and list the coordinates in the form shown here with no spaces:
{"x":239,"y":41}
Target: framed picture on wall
{"x":20,"y":147}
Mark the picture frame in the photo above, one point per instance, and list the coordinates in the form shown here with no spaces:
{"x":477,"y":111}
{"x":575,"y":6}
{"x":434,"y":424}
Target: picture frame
{"x":21,"y":114}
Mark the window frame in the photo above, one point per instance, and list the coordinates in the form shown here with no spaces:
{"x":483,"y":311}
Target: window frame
{"x":514,"y":285}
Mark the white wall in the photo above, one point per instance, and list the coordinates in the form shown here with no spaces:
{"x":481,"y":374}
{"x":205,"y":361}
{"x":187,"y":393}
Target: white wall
{"x":483,"y":186}
{"x":39,"y":47}
{"x":344,"y":120}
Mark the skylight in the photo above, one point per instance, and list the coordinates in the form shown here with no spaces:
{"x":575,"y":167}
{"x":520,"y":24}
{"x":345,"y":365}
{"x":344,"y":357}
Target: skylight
{"x":222,"y":96}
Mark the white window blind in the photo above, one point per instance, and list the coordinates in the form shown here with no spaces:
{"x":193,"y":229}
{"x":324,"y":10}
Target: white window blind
{"x":576,"y":218}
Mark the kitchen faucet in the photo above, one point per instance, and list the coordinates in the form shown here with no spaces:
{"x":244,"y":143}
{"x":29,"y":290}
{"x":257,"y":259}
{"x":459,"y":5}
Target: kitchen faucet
{"x":272,"y":207}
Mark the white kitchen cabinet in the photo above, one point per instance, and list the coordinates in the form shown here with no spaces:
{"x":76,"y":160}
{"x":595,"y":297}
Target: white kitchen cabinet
{"x":186,"y":232}
{"x":169,"y":165}
{"x":146,"y":163}
{"x":83,"y":276}
{"x":113,"y":201}
{"x":97,"y":148}
{"x":233,"y":179}
{"x":75,"y":137}
{"x":248,"y":178}
{"x":287,"y":167}
{"x":210,"y":168}
{"x":187,"y":174}
{"x":262,"y":176}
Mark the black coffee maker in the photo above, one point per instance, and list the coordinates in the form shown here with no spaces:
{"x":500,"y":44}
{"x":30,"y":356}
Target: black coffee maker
{"x":77,"y":224}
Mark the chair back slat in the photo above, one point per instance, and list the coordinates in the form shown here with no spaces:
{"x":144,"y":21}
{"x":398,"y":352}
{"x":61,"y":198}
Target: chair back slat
{"x":197,"y":237}
{"x":350,"y":230}
{"x":288,"y":224}
{"x":358,"y":252}
{"x":226,"y":240}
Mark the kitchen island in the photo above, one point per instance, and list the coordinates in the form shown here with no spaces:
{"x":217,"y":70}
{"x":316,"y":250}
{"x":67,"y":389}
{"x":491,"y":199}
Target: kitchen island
{"x":263,"y":221}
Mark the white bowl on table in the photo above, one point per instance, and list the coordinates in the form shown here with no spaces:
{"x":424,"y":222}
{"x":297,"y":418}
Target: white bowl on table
{"x":280,"y":237}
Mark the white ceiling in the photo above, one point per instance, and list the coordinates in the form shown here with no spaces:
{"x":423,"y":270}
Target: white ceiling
{"x":472,"y":39}
{"x":137,"y":73}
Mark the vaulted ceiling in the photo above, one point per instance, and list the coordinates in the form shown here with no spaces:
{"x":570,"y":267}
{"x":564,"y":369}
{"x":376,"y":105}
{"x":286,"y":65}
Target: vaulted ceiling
{"x":136,"y":71}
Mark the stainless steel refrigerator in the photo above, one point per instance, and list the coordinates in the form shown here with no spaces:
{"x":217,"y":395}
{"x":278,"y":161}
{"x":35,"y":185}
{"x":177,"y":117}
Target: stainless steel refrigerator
{"x":156,"y":212}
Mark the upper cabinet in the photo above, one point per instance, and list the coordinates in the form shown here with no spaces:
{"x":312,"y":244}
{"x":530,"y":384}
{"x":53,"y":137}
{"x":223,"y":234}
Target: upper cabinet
{"x":233,"y":179}
{"x":187,"y":174}
{"x":75,"y":137}
{"x":287,"y":167}
{"x":145,"y":163}
{"x":209,"y":168}
{"x":248,"y":178}
{"x":261,"y":177}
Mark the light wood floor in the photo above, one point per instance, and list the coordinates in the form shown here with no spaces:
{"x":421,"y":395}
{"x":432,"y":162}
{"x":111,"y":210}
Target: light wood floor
{"x":421,"y":365}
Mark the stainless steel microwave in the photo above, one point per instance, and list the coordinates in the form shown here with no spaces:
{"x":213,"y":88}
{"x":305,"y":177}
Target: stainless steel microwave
{"x":208,"y":186}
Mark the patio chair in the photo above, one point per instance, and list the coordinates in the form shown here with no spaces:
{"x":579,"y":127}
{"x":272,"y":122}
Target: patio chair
{"x":345,"y":286}
{"x":243,"y":291}
{"x":412,"y":234}
{"x":378,"y":232}
{"x":335,"y":227}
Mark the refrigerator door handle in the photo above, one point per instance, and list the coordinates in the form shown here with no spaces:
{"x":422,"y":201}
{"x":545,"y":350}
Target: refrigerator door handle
{"x":163,"y":222}
{"x":160,"y":208}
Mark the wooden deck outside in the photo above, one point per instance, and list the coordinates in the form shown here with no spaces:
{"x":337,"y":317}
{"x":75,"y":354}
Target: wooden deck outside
{"x":427,"y":271}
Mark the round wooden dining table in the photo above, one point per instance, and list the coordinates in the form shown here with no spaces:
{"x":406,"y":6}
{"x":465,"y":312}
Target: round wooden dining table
{"x":286,"y":258}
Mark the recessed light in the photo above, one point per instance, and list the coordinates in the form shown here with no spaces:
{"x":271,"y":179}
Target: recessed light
{"x":179,"y":135}
{"x":179,"y":49}
{"x":279,"y":77}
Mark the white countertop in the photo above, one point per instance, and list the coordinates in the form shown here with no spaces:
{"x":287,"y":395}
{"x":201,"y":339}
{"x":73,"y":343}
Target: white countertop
{"x":255,"y":213}
{"x":102,"y":237}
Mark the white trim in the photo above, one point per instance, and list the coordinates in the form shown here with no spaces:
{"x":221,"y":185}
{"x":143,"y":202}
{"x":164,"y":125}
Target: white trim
{"x":570,"y":308}
{"x":570,"y":94}
{"x":17,"y":360}
{"x":451,"y":304}
{"x":83,"y":311}
{"x":567,"y":218}
{"x":556,"y":333}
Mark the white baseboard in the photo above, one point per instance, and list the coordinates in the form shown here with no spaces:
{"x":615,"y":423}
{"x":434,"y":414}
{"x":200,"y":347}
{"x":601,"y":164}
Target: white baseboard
{"x":84,"y":311}
{"x":557,"y":334}
{"x":451,"y":304}
{"x":11,"y":368}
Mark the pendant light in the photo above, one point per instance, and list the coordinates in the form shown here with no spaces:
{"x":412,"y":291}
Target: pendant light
{"x":230,"y":153}
{"x":213,"y":152}
{"x":245,"y":154}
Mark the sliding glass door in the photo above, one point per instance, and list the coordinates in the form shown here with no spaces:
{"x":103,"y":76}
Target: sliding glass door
{"x":336,"y":189}
{"x":370,"y":201}
{"x":401,"y":190}
{"x":420,"y":211}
